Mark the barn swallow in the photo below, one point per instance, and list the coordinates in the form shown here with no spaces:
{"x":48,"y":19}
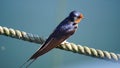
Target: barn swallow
{"x":63,"y":31}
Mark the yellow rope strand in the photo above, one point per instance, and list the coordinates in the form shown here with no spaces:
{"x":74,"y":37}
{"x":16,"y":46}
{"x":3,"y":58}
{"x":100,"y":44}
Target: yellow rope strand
{"x":64,"y":46}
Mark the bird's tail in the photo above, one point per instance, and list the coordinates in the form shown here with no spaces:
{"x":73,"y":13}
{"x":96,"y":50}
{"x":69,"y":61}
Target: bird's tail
{"x":27,"y":63}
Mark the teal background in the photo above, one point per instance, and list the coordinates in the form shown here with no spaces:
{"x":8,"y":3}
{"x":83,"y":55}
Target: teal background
{"x":100,"y":29}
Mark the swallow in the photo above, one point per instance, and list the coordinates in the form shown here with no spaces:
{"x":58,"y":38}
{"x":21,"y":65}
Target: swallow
{"x":63,"y":31}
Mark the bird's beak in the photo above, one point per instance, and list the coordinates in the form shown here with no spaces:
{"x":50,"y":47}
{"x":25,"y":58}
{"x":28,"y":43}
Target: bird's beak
{"x":79,"y":19}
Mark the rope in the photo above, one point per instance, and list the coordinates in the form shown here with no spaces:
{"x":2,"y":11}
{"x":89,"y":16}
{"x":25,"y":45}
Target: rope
{"x":64,"y":46}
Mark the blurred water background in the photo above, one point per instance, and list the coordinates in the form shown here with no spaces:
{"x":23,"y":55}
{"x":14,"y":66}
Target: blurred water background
{"x":100,"y":29}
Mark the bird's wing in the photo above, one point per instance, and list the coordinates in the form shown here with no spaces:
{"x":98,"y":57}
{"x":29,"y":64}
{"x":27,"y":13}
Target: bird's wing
{"x":52,"y":43}
{"x":55,"y":39}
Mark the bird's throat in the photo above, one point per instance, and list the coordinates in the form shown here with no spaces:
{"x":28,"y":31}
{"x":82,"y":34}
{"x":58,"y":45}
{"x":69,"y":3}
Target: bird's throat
{"x":77,"y":20}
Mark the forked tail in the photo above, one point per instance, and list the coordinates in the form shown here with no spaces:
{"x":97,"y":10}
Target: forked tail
{"x":27,"y":63}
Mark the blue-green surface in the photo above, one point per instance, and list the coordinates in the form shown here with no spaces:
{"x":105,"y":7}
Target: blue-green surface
{"x":100,"y":29}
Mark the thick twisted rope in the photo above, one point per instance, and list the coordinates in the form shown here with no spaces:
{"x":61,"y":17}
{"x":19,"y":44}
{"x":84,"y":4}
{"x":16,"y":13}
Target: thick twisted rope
{"x":64,"y":46}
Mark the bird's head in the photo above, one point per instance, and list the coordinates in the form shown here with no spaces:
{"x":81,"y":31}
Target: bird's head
{"x":76,"y":16}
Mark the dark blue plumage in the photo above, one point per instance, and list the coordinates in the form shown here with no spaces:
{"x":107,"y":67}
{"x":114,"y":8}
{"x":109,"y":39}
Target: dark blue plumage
{"x":63,"y":31}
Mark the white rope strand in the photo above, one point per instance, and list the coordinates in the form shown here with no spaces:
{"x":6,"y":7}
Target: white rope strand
{"x":64,"y":46}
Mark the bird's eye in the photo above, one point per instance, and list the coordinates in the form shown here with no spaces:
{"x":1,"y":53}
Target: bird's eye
{"x":78,"y":17}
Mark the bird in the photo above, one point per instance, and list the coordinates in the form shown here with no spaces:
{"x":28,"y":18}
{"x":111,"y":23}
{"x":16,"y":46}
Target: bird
{"x":63,"y":31}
